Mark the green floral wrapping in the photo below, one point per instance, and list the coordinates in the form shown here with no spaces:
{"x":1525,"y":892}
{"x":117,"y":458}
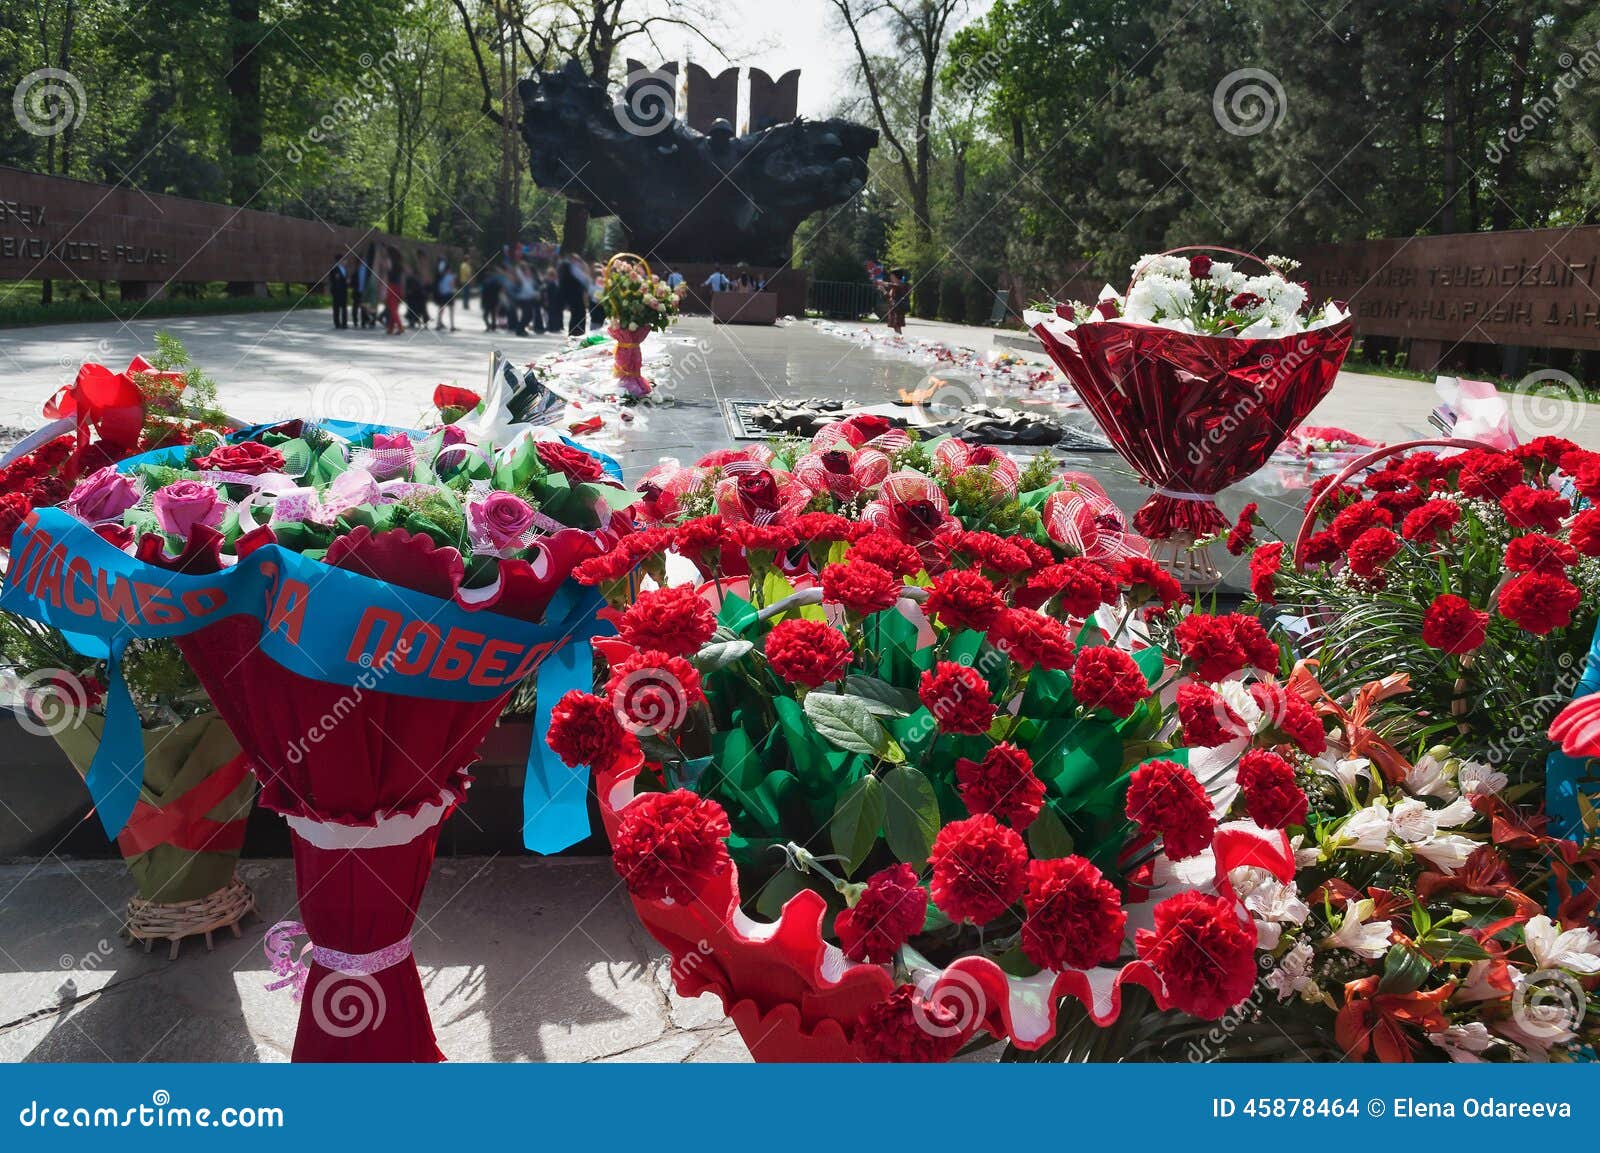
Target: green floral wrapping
{"x":184,"y":837}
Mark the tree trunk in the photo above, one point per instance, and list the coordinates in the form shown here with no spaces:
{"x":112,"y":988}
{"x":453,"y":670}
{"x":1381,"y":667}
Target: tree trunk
{"x":1506,"y":170}
{"x":244,"y":100}
{"x":1447,"y":131}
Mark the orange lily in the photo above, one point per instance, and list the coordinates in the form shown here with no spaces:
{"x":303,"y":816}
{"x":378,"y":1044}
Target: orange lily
{"x":1377,"y":1023}
{"x":1359,"y":739}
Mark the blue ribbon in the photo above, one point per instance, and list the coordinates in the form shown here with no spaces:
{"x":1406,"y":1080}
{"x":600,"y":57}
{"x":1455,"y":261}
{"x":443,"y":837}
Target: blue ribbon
{"x":324,"y":623}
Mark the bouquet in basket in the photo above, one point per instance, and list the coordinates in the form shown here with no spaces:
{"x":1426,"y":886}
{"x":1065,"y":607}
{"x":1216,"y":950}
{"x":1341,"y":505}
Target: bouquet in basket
{"x":637,"y":302}
{"x":1196,"y":374}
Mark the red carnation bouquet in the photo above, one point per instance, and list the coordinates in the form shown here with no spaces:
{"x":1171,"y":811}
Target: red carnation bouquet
{"x":896,"y":812}
{"x":1196,"y":375}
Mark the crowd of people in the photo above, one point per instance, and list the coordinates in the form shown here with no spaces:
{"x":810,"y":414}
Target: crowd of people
{"x":518,"y":292}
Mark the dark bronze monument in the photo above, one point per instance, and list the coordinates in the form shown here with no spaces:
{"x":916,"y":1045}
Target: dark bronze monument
{"x":684,"y":195}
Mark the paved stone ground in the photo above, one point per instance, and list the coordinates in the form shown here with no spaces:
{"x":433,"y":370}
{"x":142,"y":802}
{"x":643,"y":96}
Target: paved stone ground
{"x":523,"y":959}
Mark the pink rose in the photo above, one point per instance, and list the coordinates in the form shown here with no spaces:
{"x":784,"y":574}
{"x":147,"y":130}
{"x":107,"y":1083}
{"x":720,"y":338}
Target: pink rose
{"x":185,"y":503}
{"x":102,"y":495}
{"x":393,"y":455}
{"x":502,"y":518}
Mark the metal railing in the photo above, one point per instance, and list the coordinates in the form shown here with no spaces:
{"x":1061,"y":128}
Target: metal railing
{"x":841,"y":299}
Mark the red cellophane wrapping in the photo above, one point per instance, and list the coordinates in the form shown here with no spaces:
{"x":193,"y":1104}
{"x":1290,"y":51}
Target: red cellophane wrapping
{"x":1194,"y":414}
{"x":375,"y":755}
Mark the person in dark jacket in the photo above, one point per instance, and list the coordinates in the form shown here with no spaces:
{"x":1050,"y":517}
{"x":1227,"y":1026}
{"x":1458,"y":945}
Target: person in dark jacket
{"x":339,"y":289}
{"x":550,"y":289}
{"x":574,"y":294}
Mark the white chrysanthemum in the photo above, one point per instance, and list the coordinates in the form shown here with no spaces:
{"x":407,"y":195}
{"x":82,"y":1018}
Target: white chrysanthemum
{"x":1154,"y":264}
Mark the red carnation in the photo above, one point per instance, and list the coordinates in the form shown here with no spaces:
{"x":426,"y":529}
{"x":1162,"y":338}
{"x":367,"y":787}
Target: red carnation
{"x":889,"y":912}
{"x":1243,"y":533}
{"x":698,"y":537}
{"x":584,"y":731}
{"x":963,"y":599}
{"x":1371,"y":551}
{"x":669,"y":845}
{"x":1075,"y":918}
{"x":251,"y":458}
{"x":887,"y":552}
{"x":1222,"y":645}
{"x":752,"y":537}
{"x":1080,"y":585}
{"x":809,"y":653}
{"x":994,"y":552}
{"x":1002,"y":784}
{"x":1585,"y":532}
{"x":1430,"y":521}
{"x":675,"y":620}
{"x":1165,"y":799}
{"x":1104,"y":677}
{"x":1487,"y":474}
{"x":1536,"y":552}
{"x":1264,"y":565}
{"x":1453,"y":626}
{"x":1144,"y":579}
{"x":860,"y":586}
{"x":1203,"y":953}
{"x":1271,"y":796}
{"x":979,"y":869}
{"x":652,"y":691}
{"x":905,"y":1029}
{"x":1320,"y":548}
{"x":1207,"y":719}
{"x":821,"y":527}
{"x":1544,"y":450}
{"x":958,"y":698}
{"x":1357,"y":519}
{"x":610,"y":566}
{"x":1540,"y":603}
{"x":1289,"y":716}
{"x":1535,"y":508}
{"x":1032,"y":639}
{"x":576,"y":465}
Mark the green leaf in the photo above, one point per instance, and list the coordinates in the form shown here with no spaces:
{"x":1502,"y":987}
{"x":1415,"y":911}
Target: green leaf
{"x":617,"y":498}
{"x":857,"y":821}
{"x":720,"y":654}
{"x":884,"y":699}
{"x":847,"y":723}
{"x":1447,"y":946}
{"x":1404,"y":970}
{"x":1048,"y":836}
{"x":912,"y":821}
{"x":736,"y":613}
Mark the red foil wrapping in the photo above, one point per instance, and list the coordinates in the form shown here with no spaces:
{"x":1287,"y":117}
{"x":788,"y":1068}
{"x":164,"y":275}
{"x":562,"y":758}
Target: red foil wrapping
{"x":1195,"y":414}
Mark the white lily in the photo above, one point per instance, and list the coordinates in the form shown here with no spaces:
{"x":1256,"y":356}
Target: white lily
{"x":1355,"y":933}
{"x":1366,"y":829}
{"x":1292,"y":972}
{"x":1237,"y":697}
{"x":1347,"y":771}
{"x":1430,"y":778}
{"x":1447,"y":852}
{"x":1576,"y":950}
{"x":1464,"y":1042}
{"x":1479,"y":779}
{"x":1412,"y":821}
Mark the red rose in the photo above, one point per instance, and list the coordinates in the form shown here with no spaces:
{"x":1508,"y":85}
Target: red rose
{"x":1207,"y":719}
{"x":1487,"y":474}
{"x":1538,"y":553}
{"x":889,"y":912}
{"x":1357,"y":519}
{"x":573,"y":463}
{"x":1264,"y":565}
{"x":1430,"y":521}
{"x":758,"y":490}
{"x":1222,"y":645}
{"x":1536,"y":508}
{"x":979,"y":869}
{"x":250,"y":457}
{"x":1075,"y":918}
{"x":809,"y":653}
{"x":1199,"y":269}
{"x":1166,"y":800}
{"x":1002,"y":784}
{"x":1104,"y":677}
{"x":887,"y":552}
{"x":1108,"y":309}
{"x":1032,"y":639}
{"x":1320,"y":548}
{"x":1079,"y":585}
{"x":1066,"y":312}
{"x":1245,"y":301}
{"x":584,"y":731}
{"x":1540,"y":603}
{"x":652,"y":691}
{"x":963,"y":599}
{"x":1203,"y":953}
{"x":1271,"y":796}
{"x":860,"y":586}
{"x":453,"y":403}
{"x":958,"y":698}
{"x":905,"y":1029}
{"x":1290,"y":717}
{"x":1585,"y":532}
{"x":674,"y":620}
{"x":669,"y":845}
{"x":1243,"y":533}
{"x":1144,"y":579}
{"x":1371,"y":551}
